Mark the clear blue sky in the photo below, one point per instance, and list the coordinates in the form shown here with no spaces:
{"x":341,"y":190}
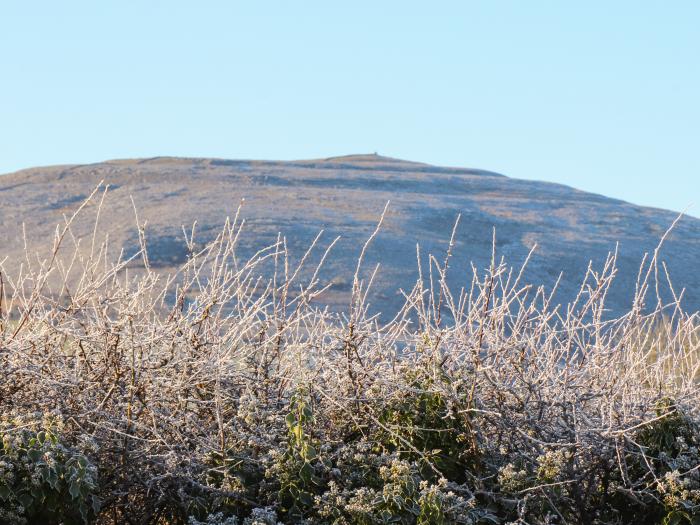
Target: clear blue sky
{"x":603,"y":96}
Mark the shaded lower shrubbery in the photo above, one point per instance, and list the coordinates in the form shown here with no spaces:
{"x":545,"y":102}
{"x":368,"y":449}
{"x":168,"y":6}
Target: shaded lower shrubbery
{"x":42,"y":480}
{"x":217,"y":398}
{"x":369,"y":476}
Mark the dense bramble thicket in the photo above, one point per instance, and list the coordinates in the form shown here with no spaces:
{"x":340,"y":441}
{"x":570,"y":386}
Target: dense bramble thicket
{"x":229,"y":399}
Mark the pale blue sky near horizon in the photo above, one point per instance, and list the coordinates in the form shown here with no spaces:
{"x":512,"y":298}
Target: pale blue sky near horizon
{"x":602,"y":96}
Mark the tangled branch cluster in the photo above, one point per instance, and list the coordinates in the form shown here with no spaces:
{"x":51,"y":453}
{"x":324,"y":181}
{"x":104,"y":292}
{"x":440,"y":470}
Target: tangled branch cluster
{"x":218,"y":396}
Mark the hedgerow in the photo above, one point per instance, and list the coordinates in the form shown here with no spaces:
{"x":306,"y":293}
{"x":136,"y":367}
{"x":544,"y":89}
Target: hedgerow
{"x":224,"y":394}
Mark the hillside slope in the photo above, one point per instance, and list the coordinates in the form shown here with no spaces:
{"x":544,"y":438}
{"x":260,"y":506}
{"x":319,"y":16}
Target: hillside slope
{"x":345,"y":196}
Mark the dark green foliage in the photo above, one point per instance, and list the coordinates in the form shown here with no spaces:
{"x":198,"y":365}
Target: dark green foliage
{"x":44,"y":481}
{"x":423,"y":427}
{"x":297,"y":469}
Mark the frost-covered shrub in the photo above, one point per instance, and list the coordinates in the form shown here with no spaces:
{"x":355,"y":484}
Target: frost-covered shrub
{"x":258,"y":516}
{"x":222,"y":397}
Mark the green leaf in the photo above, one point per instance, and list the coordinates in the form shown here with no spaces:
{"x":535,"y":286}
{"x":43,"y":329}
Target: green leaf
{"x":26,"y":500}
{"x":96,"y":504}
{"x":305,"y":473}
{"x":290,"y":420}
{"x":310,"y":453}
{"x":306,"y":499}
{"x":44,"y":473}
{"x":74,"y":489}
{"x":38,"y":494}
{"x":306,"y":411}
{"x":35,"y":454}
{"x":53,"y":479}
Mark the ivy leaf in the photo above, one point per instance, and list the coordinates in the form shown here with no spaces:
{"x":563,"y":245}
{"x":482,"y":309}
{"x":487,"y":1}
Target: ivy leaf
{"x":53,"y":479}
{"x":290,"y":420}
{"x":96,"y":504}
{"x":310,"y":453}
{"x":26,"y":500}
{"x":35,"y":454}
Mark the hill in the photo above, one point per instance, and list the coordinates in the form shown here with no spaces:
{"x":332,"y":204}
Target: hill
{"x":345,"y":196}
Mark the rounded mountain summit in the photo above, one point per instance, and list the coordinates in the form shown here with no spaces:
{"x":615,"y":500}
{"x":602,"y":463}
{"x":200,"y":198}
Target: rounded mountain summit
{"x":345,"y":196}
